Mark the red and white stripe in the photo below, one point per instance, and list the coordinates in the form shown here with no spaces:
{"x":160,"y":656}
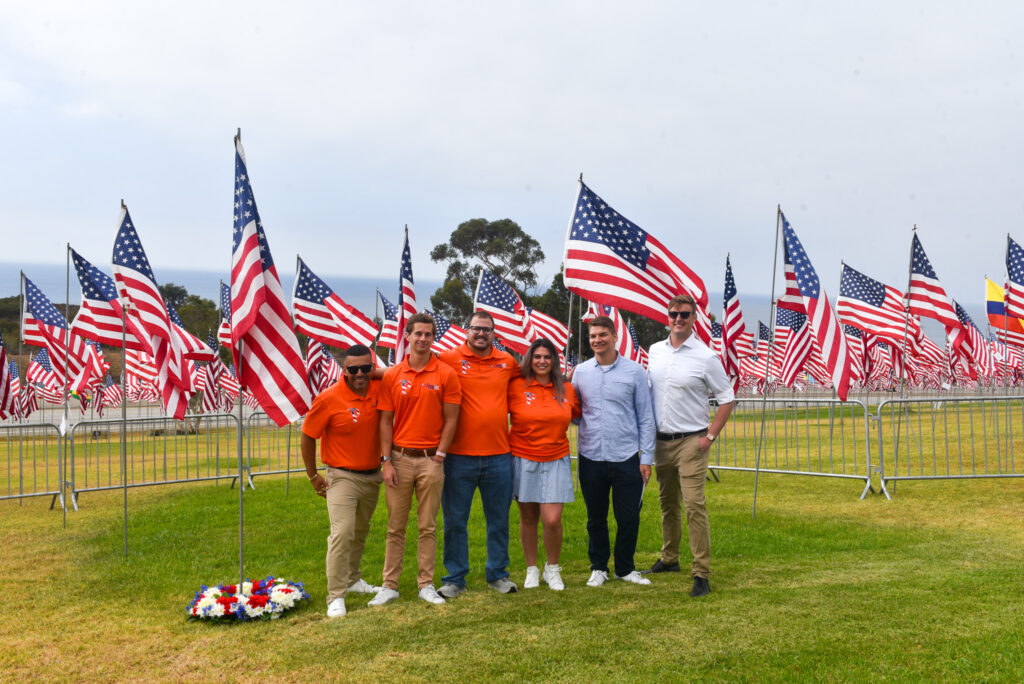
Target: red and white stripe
{"x":546,"y":326}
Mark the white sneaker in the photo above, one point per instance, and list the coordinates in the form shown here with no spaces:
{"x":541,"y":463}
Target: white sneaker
{"x":635,"y":577}
{"x":430,"y":595}
{"x":383,"y":596}
{"x":336,"y":608}
{"x":553,"y":577}
{"x":597,"y":578}
{"x":363,"y":587}
{"x":532,"y":580}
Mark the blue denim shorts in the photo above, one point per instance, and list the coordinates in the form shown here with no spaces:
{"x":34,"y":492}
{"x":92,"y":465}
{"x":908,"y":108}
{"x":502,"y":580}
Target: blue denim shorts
{"x":542,"y":481}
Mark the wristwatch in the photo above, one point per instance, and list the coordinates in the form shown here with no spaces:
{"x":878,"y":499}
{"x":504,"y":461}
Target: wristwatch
{"x":385,"y":459}
{"x":711,"y":437}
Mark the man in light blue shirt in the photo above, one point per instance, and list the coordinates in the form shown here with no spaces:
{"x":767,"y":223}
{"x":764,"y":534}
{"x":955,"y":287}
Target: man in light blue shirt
{"x":616,"y":450}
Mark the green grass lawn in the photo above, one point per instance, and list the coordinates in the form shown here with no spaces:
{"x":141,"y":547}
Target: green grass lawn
{"x":821,"y":586}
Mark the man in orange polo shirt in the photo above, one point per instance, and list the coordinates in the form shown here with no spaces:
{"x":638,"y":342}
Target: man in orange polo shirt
{"x":344,"y":419}
{"x":479,"y":458}
{"x":419,"y":409}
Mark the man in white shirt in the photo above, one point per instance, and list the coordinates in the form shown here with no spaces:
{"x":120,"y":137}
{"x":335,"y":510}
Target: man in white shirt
{"x":683,"y":374}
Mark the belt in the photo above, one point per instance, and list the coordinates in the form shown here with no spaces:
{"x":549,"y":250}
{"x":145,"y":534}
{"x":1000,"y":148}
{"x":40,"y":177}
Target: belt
{"x":670,"y":436}
{"x":371,"y":471}
{"x":420,"y":453}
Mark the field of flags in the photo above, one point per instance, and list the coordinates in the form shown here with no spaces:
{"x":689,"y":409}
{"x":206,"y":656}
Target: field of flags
{"x":871,"y":338}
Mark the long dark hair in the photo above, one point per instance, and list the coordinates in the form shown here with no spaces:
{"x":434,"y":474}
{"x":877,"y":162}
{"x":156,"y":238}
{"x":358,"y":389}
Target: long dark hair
{"x":557,"y":379}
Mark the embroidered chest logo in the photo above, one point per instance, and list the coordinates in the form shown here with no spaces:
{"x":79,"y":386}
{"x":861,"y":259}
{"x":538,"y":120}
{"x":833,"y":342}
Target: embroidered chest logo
{"x":406,"y":386}
{"x":432,"y":388}
{"x":529,"y":396}
{"x":466,"y":365}
{"x":354,"y":412}
{"x":499,"y":365}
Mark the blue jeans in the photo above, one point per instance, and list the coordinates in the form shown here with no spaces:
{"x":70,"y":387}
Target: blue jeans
{"x":462,"y":476}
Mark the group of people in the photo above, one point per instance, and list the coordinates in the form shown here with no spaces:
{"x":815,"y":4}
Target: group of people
{"x":439,"y":428}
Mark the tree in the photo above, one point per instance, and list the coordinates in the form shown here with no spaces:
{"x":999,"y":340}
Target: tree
{"x":501,"y":247}
{"x":174,"y":295}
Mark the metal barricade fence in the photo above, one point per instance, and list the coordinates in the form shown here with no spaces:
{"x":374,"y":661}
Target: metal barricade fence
{"x":818,"y":437}
{"x":272,"y":450}
{"x":949,"y":438}
{"x":32,"y":452}
{"x":160,"y":450}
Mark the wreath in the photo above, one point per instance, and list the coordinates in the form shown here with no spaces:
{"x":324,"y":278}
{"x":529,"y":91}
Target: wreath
{"x":264,"y":599}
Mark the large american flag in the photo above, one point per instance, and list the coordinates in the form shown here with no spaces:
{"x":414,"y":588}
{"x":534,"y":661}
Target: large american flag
{"x":733,"y":327}
{"x":925,"y":296}
{"x":870,"y":305}
{"x":137,"y":287}
{"x":99,"y":317}
{"x":546,"y":326}
{"x":44,"y":326}
{"x":449,"y":335}
{"x":1015,"y":278}
{"x":610,"y":260}
{"x":324,"y":316}
{"x":389,"y":330}
{"x":406,"y":299}
{"x":825,"y":327}
{"x":511,"y":321}
{"x":224,"y":331}
{"x":263,"y":341}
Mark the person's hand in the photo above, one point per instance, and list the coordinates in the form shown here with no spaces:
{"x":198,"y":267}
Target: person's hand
{"x":705,"y":443}
{"x":439,"y":457}
{"x":319,"y":484}
{"x":389,"y":474}
{"x":645,"y":472}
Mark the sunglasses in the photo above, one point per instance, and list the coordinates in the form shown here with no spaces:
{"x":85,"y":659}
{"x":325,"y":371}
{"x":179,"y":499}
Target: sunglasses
{"x":355,"y":370}
{"x":680,"y":314}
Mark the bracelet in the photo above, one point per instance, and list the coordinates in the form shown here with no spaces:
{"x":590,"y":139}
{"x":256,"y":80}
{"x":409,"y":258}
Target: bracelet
{"x":313,"y":477}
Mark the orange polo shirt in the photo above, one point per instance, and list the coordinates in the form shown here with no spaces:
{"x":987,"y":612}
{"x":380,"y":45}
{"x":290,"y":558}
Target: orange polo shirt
{"x":539,"y":422}
{"x":347,"y":426}
{"x":483,"y":418}
{"x":418,"y":399}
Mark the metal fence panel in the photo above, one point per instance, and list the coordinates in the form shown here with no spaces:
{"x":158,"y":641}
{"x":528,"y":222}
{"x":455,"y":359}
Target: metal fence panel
{"x":31,"y":453}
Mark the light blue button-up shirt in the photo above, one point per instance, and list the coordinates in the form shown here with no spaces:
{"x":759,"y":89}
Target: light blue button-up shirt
{"x":618,"y":418}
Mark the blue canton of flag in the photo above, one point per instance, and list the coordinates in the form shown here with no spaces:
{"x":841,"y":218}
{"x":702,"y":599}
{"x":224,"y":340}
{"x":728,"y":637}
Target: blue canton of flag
{"x":794,"y":320}
{"x":853,"y":332}
{"x":763,"y":332}
{"x":716,"y":329}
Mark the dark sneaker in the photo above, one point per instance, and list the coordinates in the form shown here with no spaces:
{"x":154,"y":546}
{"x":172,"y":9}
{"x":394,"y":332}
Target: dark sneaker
{"x":700,"y":587}
{"x":661,"y":567}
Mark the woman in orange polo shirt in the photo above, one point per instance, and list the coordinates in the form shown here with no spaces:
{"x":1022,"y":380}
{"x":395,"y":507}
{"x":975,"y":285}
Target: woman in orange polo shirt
{"x":541,"y":403}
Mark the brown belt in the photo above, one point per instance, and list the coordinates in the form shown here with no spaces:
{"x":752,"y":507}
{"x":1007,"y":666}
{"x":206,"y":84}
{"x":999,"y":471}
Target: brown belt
{"x":418,"y":453}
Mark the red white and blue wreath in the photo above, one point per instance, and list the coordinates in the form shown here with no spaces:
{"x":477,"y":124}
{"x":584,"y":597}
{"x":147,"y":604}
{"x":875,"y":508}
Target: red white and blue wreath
{"x":264,"y":599}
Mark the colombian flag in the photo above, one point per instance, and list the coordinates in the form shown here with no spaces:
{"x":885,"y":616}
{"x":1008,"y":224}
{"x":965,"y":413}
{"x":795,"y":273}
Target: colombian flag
{"x":997,"y":318}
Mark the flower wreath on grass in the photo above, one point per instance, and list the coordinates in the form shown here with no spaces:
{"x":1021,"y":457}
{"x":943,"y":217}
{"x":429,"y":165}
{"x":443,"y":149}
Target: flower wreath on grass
{"x":267,"y":598}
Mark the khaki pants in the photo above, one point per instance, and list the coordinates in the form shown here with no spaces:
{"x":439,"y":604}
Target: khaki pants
{"x":351,"y":500}
{"x":682,"y":468}
{"x":424,"y":477}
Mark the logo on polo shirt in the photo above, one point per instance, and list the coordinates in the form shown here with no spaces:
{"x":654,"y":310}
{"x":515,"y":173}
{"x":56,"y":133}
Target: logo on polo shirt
{"x":354,"y":412}
{"x":466,"y":365}
{"x":529,"y":396}
{"x":406,"y":386}
{"x":499,"y":365}
{"x":428,"y":386}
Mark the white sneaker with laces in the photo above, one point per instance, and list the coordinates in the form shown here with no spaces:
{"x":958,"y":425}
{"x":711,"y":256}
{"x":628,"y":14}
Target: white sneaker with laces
{"x":553,"y":577}
{"x":363,"y":587}
{"x":336,"y":608}
{"x":532,"y":580}
{"x":383,"y":596}
{"x":635,"y":577}
{"x":597,"y":578}
{"x":430,"y":595}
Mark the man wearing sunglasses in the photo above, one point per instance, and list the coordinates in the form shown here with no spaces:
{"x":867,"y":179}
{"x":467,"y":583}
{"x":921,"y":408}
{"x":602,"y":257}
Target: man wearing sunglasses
{"x":684,"y":373}
{"x":479,"y":458}
{"x":344,"y":419}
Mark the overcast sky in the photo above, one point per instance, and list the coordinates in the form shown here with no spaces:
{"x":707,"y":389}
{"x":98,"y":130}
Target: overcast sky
{"x":692,"y":119}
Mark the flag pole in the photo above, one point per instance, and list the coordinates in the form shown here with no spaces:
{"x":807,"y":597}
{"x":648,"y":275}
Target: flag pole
{"x":124,"y":417}
{"x":906,"y":321}
{"x":768,"y":360}
{"x":1006,"y":313}
{"x":376,"y":315}
{"x":67,"y":379}
{"x":24,"y":386}
{"x":568,"y":324}
{"x":241,"y":423}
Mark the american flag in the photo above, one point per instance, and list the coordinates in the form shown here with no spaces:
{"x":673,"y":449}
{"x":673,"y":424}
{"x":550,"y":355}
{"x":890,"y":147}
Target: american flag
{"x":791,"y":299}
{"x":192,"y":347}
{"x":640,"y":354}
{"x":745,"y":344}
{"x":716,"y":338}
{"x":882,"y":368}
{"x":855,"y":346}
{"x":791,"y":329}
{"x":624,"y":342}
{"x":8,"y":395}
{"x":44,"y":326}
{"x":212,"y":402}
{"x":40,"y":370}
{"x":610,"y":260}
{"x":20,"y":393}
{"x":321,"y":368}
{"x":449,"y":335}
{"x":1015,"y":281}
{"x":388,"y":331}
{"x":110,"y":397}
{"x":140,"y":365}
{"x":511,"y":322}
{"x":976,"y":342}
{"x":15,"y":378}
{"x":546,"y":326}
{"x":91,"y":375}
{"x":224,"y":331}
{"x":733,"y":327}
{"x":99,"y":317}
{"x":324,"y":316}
{"x":873,"y":306}
{"x":229,"y":385}
{"x":138,"y":289}
{"x":263,"y":341}
{"x":824,"y":324}
{"x":925,"y":295}
{"x":406,"y":299}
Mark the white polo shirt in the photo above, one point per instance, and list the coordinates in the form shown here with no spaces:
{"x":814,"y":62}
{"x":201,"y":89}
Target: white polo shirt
{"x":682,"y":379}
